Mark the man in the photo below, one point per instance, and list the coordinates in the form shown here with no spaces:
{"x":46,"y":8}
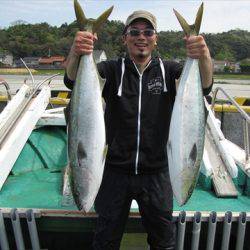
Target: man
{"x":139,"y":102}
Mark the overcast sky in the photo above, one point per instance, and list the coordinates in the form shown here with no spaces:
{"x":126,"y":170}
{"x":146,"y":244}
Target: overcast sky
{"x":218,"y":15}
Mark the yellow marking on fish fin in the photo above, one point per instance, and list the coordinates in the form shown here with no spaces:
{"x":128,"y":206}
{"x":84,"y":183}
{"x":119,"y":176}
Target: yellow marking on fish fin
{"x":105,"y":151}
{"x":194,"y":28}
{"x":101,"y":19}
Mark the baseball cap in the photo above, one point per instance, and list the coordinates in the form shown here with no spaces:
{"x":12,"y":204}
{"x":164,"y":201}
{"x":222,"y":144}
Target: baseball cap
{"x":142,"y":14}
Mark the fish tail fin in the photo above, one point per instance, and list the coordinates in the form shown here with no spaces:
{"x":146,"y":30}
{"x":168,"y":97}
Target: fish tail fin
{"x":90,"y":25}
{"x":101,"y":19}
{"x":194,"y":28}
{"x":80,"y":17}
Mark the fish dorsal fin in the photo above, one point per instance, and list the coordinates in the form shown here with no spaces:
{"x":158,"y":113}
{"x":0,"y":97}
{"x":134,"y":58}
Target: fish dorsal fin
{"x":91,"y":25}
{"x":193,"y":29}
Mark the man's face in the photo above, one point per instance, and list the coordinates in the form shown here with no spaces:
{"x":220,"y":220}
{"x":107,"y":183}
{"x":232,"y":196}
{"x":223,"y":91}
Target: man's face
{"x":141,"y":45}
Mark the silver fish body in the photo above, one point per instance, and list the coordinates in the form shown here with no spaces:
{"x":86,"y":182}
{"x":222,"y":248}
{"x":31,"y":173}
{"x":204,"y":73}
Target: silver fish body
{"x":86,"y":135}
{"x":186,"y":135}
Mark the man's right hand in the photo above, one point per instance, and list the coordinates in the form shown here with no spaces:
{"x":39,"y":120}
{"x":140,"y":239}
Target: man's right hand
{"x":83,"y":43}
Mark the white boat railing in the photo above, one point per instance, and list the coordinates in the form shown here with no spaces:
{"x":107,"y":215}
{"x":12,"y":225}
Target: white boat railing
{"x":218,"y":224}
{"x":246,"y":122}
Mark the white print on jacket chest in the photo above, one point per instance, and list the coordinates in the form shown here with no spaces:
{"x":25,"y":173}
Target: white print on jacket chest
{"x":155,"y":86}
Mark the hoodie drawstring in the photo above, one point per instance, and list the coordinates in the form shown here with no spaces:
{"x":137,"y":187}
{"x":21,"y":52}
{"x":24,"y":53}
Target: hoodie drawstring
{"x":163,"y":75}
{"x":123,"y":70}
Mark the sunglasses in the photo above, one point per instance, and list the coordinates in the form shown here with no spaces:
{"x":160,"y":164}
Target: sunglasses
{"x":137,"y":32}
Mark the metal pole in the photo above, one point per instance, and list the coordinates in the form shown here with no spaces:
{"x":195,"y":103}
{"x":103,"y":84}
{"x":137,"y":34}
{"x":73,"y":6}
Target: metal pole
{"x":32,"y":230}
{"x":196,"y":231}
{"x":241,"y":231}
{"x":6,"y":85}
{"x":4,"y":245}
{"x":226,"y":231}
{"x":181,"y":230}
{"x":243,"y":113}
{"x":17,"y":229}
{"x":246,"y":138}
{"x":211,"y":230}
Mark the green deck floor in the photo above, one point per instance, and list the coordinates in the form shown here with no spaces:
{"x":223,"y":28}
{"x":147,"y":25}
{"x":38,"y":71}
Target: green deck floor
{"x":36,"y":179}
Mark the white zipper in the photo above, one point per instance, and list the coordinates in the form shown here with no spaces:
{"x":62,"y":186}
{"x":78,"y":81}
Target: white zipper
{"x":139,"y":118}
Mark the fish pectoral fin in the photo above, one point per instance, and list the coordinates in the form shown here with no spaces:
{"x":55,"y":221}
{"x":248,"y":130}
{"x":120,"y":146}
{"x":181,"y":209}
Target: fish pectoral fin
{"x":169,"y":148}
{"x":190,"y":29}
{"x":101,"y":19}
{"x":193,"y":153}
{"x":66,"y":112}
{"x":81,"y":153}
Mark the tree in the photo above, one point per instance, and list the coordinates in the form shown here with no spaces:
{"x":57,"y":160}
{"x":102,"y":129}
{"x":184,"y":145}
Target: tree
{"x":22,"y":39}
{"x":225,"y":54}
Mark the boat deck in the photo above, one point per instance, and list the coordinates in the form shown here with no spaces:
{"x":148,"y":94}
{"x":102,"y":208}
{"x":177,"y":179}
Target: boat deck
{"x":36,"y":179}
{"x":35,"y":187}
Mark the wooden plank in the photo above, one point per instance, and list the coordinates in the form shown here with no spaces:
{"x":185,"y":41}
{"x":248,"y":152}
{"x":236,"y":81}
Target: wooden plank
{"x":52,"y":120}
{"x":20,"y":132}
{"x":221,"y":179}
{"x":219,"y":140}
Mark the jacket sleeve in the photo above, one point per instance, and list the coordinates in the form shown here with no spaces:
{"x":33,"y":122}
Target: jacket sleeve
{"x":206,"y":91}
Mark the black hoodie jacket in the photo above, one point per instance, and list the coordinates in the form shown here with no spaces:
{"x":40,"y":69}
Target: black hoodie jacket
{"x":138,"y":112}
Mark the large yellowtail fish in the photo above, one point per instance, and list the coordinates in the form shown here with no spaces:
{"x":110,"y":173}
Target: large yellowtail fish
{"x":86,"y":128}
{"x":187,"y":128}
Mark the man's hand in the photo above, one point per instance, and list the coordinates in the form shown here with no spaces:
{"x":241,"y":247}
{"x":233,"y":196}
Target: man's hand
{"x":196,"y":47}
{"x":83,"y":43}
